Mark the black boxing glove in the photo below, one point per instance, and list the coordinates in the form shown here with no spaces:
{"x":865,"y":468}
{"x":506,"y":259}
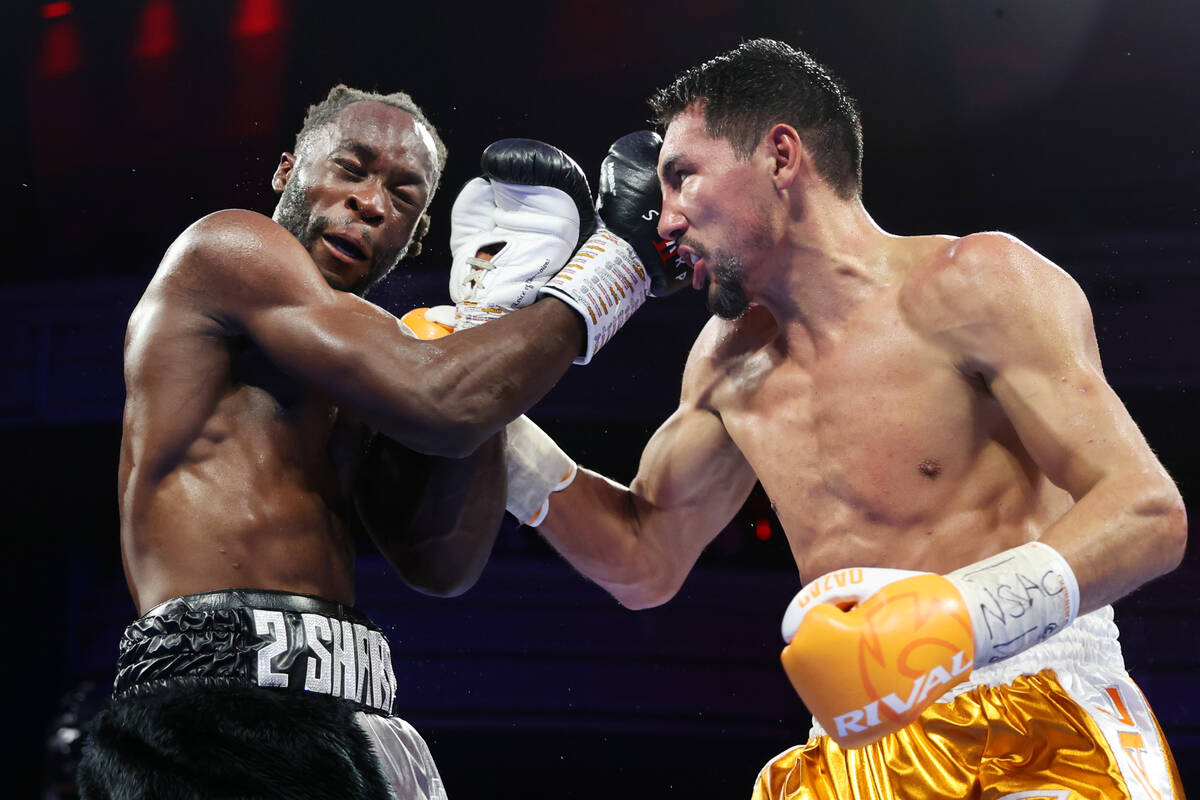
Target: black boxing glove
{"x":626,"y":260}
{"x":531,"y":209}
{"x":630,"y":203}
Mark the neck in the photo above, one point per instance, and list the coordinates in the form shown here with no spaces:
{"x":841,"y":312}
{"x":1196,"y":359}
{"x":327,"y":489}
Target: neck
{"x":831,"y":258}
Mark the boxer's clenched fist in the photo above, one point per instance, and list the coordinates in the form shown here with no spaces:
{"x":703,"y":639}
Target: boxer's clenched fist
{"x":530,"y":210}
{"x":869,"y":649}
{"x":611,"y":275}
{"x":629,"y":202}
{"x":428,"y":323}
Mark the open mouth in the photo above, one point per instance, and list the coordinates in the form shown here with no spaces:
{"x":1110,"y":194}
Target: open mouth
{"x":344,"y":246}
{"x":698,"y":274}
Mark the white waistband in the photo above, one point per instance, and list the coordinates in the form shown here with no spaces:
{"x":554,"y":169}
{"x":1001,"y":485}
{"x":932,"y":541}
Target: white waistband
{"x":1089,"y":640}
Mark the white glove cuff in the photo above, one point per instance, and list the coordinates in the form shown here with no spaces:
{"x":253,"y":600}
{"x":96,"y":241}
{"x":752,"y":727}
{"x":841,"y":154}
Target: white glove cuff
{"x":1016,"y":599}
{"x":442,"y":315}
{"x":468,"y":314}
{"x":537,"y":467}
{"x":605,"y":282}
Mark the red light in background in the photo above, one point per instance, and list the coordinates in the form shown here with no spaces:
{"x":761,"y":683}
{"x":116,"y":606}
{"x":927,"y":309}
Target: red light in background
{"x":762,"y":529}
{"x":259,"y":34}
{"x":55,"y":10}
{"x":61,"y":49}
{"x":256,"y":17}
{"x":158,"y":30}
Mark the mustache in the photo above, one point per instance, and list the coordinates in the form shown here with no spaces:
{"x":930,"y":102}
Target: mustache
{"x":318,"y":225}
{"x":700,"y":250}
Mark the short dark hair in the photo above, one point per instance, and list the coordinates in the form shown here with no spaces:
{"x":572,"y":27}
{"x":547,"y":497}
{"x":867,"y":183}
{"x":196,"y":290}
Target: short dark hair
{"x":761,"y":83}
{"x":341,"y":96}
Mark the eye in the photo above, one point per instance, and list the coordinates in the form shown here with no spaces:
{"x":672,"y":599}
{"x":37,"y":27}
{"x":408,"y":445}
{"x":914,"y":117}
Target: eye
{"x":677,"y":176}
{"x":404,"y":198}
{"x":349,"y":167}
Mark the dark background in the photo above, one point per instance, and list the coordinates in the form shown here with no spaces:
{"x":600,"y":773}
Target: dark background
{"x":1073,"y":125}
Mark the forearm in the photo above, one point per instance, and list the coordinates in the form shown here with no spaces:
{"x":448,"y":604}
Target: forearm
{"x":640,"y":542}
{"x":1125,"y":531}
{"x":609,"y":533}
{"x":476,"y":381}
{"x":435,"y":518}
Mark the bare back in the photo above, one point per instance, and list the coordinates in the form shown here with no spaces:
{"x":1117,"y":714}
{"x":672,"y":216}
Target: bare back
{"x":875,"y":445}
{"x":232,"y":474}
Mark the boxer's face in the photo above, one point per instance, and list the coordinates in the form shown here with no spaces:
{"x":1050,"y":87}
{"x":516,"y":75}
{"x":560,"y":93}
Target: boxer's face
{"x":711,"y":206}
{"x":354,"y":191}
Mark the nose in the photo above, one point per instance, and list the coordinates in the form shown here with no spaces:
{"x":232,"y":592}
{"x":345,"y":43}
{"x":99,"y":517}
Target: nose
{"x":671,"y":223}
{"x":368,"y":202}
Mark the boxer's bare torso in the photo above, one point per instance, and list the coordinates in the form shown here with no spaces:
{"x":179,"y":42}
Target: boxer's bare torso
{"x":238,"y":473}
{"x":876,"y":446}
{"x":271,"y":412}
{"x":948,"y":403}
{"x":232,"y":474}
{"x":911,"y":402}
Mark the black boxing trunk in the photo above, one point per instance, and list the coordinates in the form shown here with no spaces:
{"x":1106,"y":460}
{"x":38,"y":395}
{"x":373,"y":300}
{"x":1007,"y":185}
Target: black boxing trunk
{"x":261,"y":639}
{"x":245,"y":693}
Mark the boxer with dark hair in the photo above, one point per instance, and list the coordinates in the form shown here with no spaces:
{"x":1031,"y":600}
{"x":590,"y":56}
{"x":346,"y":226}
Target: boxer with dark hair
{"x":963,"y":493}
{"x":271,"y":412}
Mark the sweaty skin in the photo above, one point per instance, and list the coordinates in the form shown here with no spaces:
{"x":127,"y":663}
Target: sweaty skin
{"x":269,"y":413}
{"x":909,"y":402}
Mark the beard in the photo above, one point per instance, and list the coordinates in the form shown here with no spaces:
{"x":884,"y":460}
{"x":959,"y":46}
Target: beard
{"x":294,"y":213}
{"x":727,"y":296}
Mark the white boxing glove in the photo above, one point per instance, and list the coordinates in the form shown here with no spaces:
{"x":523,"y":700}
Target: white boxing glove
{"x":530,"y":211}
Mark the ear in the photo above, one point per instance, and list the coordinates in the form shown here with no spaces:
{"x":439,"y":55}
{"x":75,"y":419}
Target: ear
{"x":788,"y":154}
{"x":287,"y":161}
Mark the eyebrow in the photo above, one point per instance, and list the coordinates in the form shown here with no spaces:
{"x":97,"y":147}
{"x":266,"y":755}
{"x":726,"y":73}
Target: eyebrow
{"x":668,"y":166}
{"x":368,"y":153}
{"x":360,"y":149}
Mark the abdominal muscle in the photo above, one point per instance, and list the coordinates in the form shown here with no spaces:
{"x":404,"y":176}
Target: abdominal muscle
{"x":253,"y":506}
{"x":884,"y":455}
{"x":915,"y":522}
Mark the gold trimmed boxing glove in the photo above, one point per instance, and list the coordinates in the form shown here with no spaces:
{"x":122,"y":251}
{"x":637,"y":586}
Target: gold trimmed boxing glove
{"x":870,"y":649}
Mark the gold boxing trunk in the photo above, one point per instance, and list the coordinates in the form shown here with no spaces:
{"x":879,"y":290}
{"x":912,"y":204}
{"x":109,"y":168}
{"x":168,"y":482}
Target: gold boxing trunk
{"x":1061,"y":721}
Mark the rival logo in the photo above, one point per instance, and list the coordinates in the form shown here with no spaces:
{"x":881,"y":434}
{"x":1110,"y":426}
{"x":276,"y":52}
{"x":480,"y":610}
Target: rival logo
{"x":861,"y":719}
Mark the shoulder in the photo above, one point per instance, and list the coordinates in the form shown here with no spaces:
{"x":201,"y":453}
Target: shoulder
{"x":722,"y":345}
{"x":986,"y":280}
{"x":190,"y":281}
{"x":229,"y":239}
{"x":235,"y":259}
